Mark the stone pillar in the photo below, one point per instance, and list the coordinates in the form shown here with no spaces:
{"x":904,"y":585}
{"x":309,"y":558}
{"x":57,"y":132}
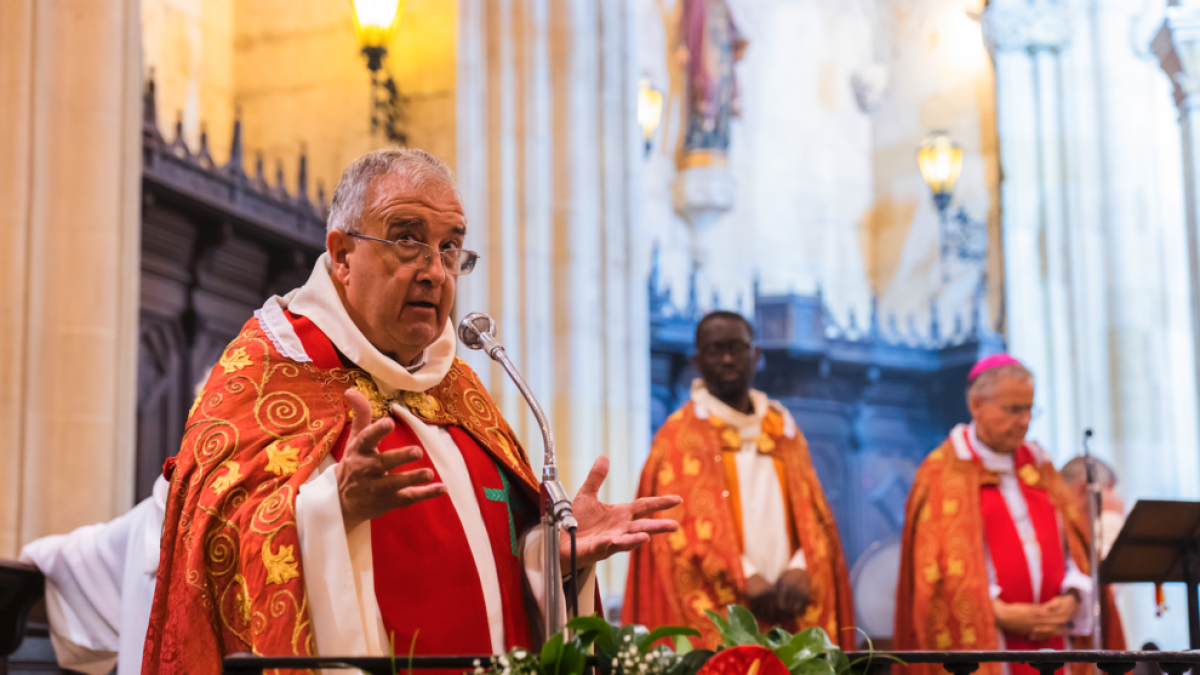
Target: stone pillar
{"x":70,"y":81}
{"x":547,"y":89}
{"x":1025,"y":40}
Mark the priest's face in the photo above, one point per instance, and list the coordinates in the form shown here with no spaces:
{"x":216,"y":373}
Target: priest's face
{"x":725,"y":357}
{"x":1002,"y":418}
{"x":399,"y":309}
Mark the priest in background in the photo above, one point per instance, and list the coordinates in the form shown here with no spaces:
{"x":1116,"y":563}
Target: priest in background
{"x":345,"y":483}
{"x":994,"y":547}
{"x":755,"y":527}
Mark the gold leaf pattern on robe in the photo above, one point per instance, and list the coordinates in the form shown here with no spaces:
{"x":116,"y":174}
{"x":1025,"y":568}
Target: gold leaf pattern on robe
{"x":422,"y":404}
{"x":666,"y":475}
{"x":281,"y":566}
{"x":379,"y":405}
{"x":766,"y":444}
{"x":196,"y":404}
{"x":222,"y":483}
{"x":234,"y":360}
{"x":691,"y":466}
{"x":282,"y":460}
{"x":1030,"y":475}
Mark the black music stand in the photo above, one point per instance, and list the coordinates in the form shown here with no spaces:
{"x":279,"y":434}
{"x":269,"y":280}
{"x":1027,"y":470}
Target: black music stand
{"x":1160,"y":543}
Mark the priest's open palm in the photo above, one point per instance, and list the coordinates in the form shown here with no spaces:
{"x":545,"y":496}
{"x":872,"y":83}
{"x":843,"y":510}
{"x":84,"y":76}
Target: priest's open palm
{"x":366,"y":488}
{"x":607,"y":529}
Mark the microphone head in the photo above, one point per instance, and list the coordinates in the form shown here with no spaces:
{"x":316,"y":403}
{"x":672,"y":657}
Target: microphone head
{"x":473,"y":326}
{"x":1087,"y":433}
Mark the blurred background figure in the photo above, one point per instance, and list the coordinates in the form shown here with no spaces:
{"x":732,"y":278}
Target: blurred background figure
{"x":1112,"y":507}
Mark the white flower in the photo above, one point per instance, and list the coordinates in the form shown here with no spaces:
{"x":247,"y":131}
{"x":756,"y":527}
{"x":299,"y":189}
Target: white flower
{"x":520,"y":654}
{"x":633,"y":649}
{"x":642,"y":667}
{"x":504,"y":661}
{"x":476,"y":663}
{"x":628,"y":638}
{"x":478,"y":671}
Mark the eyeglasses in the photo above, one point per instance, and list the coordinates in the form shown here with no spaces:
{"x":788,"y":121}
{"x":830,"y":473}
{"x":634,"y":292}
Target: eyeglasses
{"x":1017,"y":410}
{"x":414,"y":254}
{"x":738,"y":349}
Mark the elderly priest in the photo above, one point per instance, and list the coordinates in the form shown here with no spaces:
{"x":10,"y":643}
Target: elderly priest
{"x":994,"y":547}
{"x":345,"y":483}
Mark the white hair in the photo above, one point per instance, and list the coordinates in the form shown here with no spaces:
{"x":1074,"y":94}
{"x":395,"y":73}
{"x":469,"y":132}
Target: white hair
{"x":416,"y":167}
{"x":985,"y":384}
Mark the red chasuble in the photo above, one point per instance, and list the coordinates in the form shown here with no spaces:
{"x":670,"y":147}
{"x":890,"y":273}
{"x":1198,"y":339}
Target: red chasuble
{"x":230,"y":577}
{"x":942,"y":599}
{"x":1008,"y":554}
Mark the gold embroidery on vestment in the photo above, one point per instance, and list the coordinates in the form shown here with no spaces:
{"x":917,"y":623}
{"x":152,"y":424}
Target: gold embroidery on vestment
{"x":704,"y":529}
{"x":234,"y":360}
{"x":422,"y":404}
{"x":1030,"y":475}
{"x":956,"y":567}
{"x":379,"y":405}
{"x":666,"y":475}
{"x":691,"y":466}
{"x":282,"y":460}
{"x":968,"y":635}
{"x":222,"y":483}
{"x":281,"y":566}
{"x":943,"y":639}
{"x":949,"y":507}
{"x":731,"y":439}
{"x":196,"y":403}
{"x":766,"y":444}
{"x":932,"y":573}
{"x":677,"y":539}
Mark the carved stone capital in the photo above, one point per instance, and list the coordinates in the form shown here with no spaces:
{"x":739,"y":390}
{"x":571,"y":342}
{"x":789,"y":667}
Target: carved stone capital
{"x":1183,"y":22}
{"x":703,"y":193}
{"x":1027,"y":26}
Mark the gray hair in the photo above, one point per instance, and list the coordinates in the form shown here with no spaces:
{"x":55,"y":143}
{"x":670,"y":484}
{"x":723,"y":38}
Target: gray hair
{"x":985,"y":384}
{"x":417,"y":167}
{"x":1074,"y":472}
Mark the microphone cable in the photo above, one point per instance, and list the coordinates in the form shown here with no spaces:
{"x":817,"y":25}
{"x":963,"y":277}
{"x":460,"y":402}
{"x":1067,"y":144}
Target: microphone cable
{"x":573,"y":584}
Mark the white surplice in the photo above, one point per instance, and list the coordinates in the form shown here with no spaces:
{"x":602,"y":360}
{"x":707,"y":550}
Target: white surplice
{"x":338,"y":568}
{"x":100,"y":585}
{"x":766,"y":542}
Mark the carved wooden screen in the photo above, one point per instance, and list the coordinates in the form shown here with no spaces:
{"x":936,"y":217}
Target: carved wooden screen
{"x":215,"y":243}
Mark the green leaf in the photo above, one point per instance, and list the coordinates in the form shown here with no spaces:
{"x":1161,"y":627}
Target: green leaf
{"x":838,"y":660}
{"x":812,"y":666}
{"x":573,"y":659}
{"x":777,"y":637}
{"x":663,"y":632}
{"x":552,"y":654}
{"x":683,"y":646}
{"x":731,"y":635}
{"x":813,"y":640}
{"x":693,"y":661}
{"x":742,"y":619}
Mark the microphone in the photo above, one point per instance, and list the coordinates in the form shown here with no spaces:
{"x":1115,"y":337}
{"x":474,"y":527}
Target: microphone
{"x":478,"y":331}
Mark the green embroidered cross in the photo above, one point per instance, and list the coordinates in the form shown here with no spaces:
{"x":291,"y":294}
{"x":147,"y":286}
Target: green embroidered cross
{"x":504,"y":494}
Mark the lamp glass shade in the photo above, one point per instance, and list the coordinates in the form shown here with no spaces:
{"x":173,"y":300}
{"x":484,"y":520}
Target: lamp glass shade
{"x":940,"y":160}
{"x":375,"y":21}
{"x":649,"y":108}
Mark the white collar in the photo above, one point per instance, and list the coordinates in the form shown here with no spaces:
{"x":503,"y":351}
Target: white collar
{"x":992,"y":460}
{"x":318,"y":300}
{"x":749,"y":424}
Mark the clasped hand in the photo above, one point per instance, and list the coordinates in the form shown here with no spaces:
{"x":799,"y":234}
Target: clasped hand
{"x":1036,"y":621}
{"x":367,"y":490}
{"x":779,"y":602}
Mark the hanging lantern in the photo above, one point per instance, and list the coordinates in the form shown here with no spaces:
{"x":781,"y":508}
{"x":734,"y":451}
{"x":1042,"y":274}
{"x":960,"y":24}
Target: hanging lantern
{"x":940,"y":160}
{"x":649,"y":110}
{"x":375,"y":23}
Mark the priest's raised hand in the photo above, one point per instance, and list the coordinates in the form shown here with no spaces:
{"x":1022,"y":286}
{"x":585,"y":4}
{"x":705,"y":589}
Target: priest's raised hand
{"x":607,"y":529}
{"x":366,"y":488}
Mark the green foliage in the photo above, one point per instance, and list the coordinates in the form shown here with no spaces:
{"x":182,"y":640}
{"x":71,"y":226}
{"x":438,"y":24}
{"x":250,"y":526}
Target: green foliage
{"x":809,"y":652}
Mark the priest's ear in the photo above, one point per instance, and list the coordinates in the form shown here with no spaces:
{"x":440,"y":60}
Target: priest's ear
{"x":339,"y":245}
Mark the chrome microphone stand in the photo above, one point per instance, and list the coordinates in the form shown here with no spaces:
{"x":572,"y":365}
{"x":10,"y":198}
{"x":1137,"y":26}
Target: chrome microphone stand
{"x":1093,"y":497}
{"x":478,"y":331}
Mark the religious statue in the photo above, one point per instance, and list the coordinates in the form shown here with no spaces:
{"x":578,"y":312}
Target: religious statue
{"x":710,"y":46}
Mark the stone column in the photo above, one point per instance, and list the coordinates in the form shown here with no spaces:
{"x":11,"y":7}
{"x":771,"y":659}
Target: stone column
{"x":1025,"y":40}
{"x":70,"y":80}
{"x":547,"y":89}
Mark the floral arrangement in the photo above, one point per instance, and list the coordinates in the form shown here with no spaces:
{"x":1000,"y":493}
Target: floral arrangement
{"x":631,"y":650}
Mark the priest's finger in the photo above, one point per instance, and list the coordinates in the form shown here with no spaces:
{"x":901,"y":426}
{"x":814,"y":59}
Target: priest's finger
{"x":414,"y":495}
{"x":648,"y":505}
{"x":660,"y":526}
{"x":595,"y":477}
{"x":360,"y":410}
{"x":395,"y":482}
{"x":390,"y":459}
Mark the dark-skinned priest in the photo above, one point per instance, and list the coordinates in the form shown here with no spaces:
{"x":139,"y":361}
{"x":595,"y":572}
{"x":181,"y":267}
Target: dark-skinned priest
{"x":345,"y":483}
{"x":755,"y":527}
